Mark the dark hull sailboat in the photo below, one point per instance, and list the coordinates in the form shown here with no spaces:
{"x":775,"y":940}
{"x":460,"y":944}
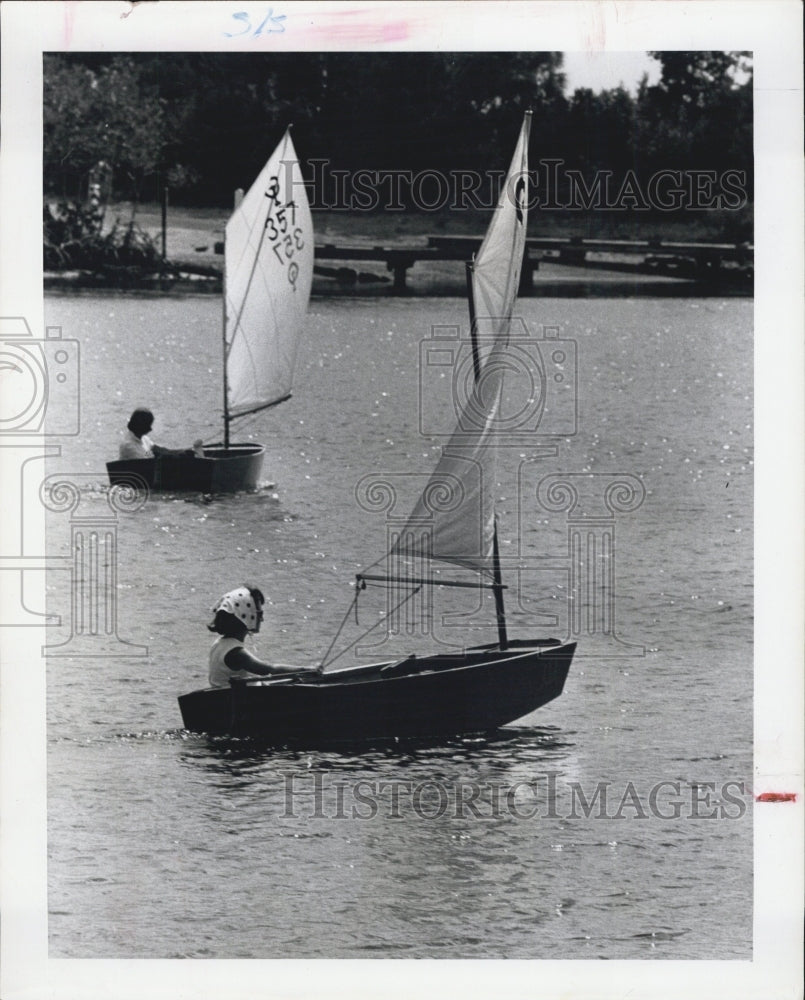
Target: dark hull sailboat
{"x":222,"y":470}
{"x":268,"y":274}
{"x":417,"y":698}
{"x":454,"y":521}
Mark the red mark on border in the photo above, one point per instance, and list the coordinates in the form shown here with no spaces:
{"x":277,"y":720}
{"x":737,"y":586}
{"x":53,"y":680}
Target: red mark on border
{"x":355,"y":26}
{"x":776,"y":797}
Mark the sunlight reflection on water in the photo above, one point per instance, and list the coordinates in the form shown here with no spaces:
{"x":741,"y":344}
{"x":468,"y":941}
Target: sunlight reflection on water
{"x":163,"y":843}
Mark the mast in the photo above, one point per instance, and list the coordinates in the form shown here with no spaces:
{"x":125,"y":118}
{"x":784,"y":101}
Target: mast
{"x":476,"y":357}
{"x":226,"y":384}
{"x":236,"y":202}
{"x":497,"y":589}
{"x":497,"y":581}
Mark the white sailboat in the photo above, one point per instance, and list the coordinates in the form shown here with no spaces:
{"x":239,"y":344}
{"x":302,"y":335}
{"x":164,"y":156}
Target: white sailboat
{"x":267,"y":280}
{"x":478,"y":689}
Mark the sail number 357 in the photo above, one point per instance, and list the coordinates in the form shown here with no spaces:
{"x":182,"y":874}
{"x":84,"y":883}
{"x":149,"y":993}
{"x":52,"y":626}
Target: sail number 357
{"x":287,"y":239}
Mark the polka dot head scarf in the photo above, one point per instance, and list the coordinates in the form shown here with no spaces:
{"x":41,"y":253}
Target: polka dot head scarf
{"x":241,"y":604}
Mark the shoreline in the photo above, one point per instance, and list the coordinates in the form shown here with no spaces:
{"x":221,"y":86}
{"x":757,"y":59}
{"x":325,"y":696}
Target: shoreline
{"x":193,"y":244}
{"x":445,"y":280}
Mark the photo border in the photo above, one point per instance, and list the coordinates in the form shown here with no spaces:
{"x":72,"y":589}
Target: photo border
{"x":773,"y":31}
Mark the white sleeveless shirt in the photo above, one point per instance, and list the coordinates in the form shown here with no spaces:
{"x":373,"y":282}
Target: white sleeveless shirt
{"x":220,"y":673}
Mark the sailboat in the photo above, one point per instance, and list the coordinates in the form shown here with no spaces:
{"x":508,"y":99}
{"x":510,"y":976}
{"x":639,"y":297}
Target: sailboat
{"x":268,"y":273}
{"x":478,"y":689}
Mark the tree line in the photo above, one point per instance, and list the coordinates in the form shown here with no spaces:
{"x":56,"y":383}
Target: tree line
{"x":202,"y":124}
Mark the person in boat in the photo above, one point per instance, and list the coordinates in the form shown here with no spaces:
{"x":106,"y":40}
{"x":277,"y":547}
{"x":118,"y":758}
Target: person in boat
{"x":238,"y":613}
{"x":137,"y":443}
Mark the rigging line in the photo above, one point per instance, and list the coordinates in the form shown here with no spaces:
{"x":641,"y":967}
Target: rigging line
{"x":375,"y":563}
{"x":410,"y":581}
{"x":340,"y":627}
{"x":487,"y":572}
{"x":373,"y":627}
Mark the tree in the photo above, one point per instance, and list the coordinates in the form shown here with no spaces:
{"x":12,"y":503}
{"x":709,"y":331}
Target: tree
{"x":210,"y":119}
{"x":599,"y":130}
{"x":699,"y":114}
{"x":69,"y":151}
{"x":105,"y":114}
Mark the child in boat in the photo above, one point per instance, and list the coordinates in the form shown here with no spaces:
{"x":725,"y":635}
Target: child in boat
{"x":137,"y":444}
{"x":237,"y":613}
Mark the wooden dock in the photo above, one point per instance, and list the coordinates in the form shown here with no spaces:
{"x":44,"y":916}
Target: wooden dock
{"x":676,"y":267}
{"x":703,"y":262}
{"x":397,"y":259}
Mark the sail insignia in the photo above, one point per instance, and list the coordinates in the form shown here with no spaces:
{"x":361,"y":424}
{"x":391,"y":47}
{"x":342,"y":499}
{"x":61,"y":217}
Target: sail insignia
{"x":498,"y":264}
{"x":269,"y":273}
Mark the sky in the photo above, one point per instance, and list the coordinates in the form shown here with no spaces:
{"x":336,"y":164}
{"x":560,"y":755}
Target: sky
{"x":606,"y":70}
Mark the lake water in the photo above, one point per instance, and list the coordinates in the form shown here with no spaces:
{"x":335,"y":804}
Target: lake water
{"x":612,"y":823}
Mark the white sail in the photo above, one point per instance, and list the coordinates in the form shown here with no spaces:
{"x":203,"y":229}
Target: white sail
{"x":498,"y":263}
{"x":454,"y":519}
{"x":269,"y":271}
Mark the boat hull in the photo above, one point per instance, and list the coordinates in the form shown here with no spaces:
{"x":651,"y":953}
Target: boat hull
{"x":436,"y":696}
{"x":222,"y":470}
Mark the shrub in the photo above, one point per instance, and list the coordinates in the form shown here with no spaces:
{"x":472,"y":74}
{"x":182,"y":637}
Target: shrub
{"x":73,"y":241}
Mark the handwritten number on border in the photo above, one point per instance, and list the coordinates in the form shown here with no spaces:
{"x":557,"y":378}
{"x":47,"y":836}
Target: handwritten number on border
{"x":272,"y":24}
